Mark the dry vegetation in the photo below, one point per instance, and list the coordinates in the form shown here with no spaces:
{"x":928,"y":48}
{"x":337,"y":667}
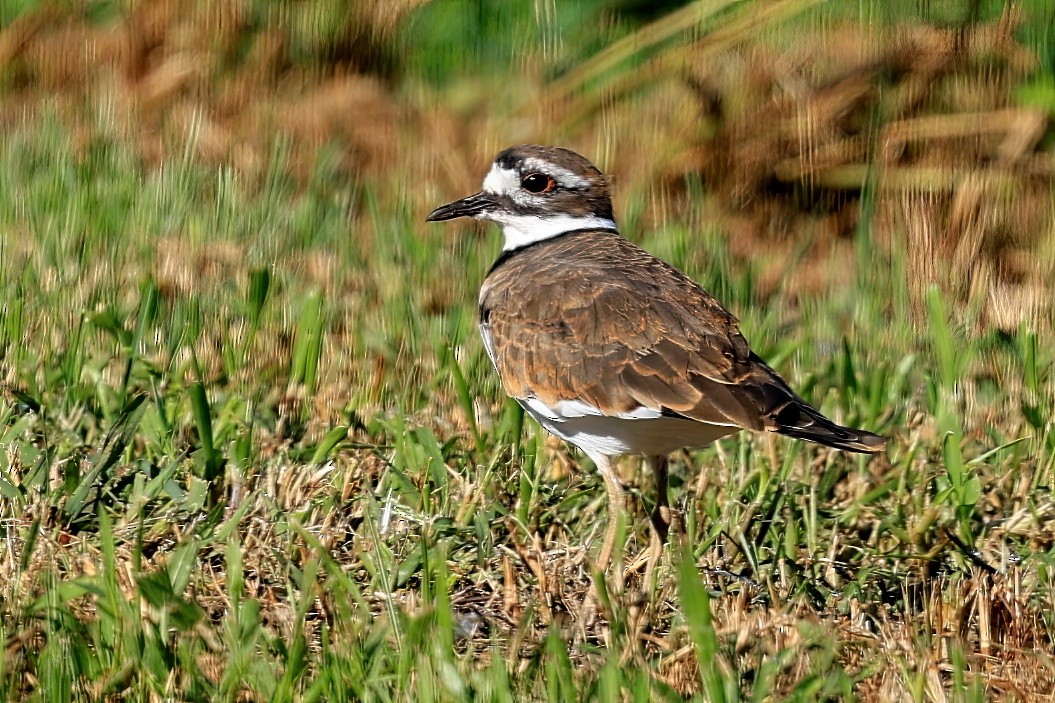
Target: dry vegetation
{"x":252,"y":450}
{"x":784,"y":135}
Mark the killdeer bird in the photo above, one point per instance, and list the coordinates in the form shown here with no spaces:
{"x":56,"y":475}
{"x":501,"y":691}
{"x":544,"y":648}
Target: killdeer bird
{"x":610,"y":348}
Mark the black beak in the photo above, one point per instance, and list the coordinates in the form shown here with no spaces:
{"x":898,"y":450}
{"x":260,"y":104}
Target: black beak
{"x":466,"y":207}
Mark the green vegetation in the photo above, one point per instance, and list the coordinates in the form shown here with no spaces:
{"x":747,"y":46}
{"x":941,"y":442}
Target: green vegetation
{"x":251,"y":447}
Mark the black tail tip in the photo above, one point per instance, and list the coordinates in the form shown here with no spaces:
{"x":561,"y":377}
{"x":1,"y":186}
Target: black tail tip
{"x":844,"y":438}
{"x":870,"y":443}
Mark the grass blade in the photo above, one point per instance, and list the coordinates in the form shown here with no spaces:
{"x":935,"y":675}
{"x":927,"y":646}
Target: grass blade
{"x":696,"y":605}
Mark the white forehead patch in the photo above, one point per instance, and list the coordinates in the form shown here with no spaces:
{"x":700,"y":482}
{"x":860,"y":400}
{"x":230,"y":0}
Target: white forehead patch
{"x":502,"y":181}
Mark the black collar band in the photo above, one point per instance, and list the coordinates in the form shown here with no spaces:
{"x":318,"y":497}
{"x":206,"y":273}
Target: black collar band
{"x":508,"y":253}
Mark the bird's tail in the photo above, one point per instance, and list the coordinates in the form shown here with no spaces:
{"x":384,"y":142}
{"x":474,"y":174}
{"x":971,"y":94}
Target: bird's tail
{"x":790,"y":415}
{"x":814,"y":427}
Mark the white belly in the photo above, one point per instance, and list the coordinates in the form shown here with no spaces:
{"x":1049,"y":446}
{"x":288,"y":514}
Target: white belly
{"x":615,"y":436}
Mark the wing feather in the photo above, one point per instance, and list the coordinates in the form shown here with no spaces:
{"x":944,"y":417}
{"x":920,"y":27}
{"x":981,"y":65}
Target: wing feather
{"x":590,"y":317}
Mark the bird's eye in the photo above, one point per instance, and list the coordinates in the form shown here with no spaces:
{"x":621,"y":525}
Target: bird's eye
{"x":537,"y":183}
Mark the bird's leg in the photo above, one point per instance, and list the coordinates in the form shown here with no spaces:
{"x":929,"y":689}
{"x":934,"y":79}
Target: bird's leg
{"x":616,"y":507}
{"x":659,"y":519}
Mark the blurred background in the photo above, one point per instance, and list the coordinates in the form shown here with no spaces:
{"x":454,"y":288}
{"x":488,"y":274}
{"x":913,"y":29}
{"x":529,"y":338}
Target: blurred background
{"x":786,"y":115}
{"x":218,"y":298}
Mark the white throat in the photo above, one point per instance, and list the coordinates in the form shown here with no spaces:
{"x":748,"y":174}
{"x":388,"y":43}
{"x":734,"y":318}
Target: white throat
{"x":521,"y":230}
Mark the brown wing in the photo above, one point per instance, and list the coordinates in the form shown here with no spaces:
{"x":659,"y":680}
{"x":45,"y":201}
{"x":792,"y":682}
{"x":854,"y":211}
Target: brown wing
{"x":591,"y":317}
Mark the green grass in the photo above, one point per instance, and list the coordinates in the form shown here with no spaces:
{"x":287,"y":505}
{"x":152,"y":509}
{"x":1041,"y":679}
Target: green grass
{"x":251,"y":449}
{"x":181,"y":485}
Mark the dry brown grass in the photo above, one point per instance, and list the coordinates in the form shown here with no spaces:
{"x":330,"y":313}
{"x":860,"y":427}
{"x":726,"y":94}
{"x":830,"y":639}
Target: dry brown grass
{"x":785,"y":140}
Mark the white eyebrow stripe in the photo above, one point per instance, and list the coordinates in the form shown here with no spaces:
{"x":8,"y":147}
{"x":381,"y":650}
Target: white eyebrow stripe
{"x":563,"y":176}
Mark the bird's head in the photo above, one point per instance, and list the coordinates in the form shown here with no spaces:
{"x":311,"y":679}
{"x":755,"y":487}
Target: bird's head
{"x":537,"y":192}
